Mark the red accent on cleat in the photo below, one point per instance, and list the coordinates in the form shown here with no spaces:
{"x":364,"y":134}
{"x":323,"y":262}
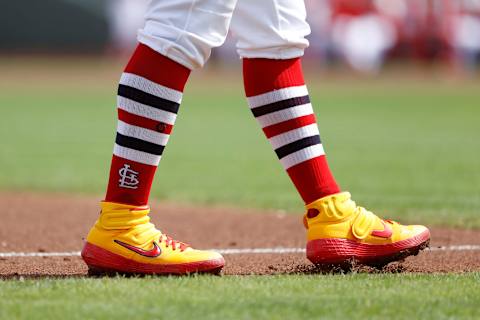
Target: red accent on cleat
{"x":152,"y":253}
{"x":312,"y":213}
{"x":385,"y":233}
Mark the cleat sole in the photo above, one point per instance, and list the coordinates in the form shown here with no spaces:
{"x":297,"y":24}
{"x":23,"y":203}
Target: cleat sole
{"x":344,"y":254}
{"x":101,"y":262}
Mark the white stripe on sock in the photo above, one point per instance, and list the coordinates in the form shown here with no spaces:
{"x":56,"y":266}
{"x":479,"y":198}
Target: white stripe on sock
{"x":277,"y":95}
{"x":284,"y":115}
{"x":302,"y":155}
{"x":294,"y":135}
{"x":132,"y":80}
{"x":142,"y":133}
{"x":135,"y":155}
{"x":145,"y":111}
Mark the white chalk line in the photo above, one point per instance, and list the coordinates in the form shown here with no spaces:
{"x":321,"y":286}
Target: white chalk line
{"x":277,"y":250}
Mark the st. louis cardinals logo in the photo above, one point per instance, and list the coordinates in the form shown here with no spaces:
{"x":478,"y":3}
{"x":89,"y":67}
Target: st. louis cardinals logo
{"x":128,"y":178}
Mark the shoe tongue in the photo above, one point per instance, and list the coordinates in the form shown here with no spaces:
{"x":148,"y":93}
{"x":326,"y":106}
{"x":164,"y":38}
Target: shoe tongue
{"x":118,"y":216}
{"x":115,"y":206}
{"x":337,"y":197}
{"x":342,"y":196}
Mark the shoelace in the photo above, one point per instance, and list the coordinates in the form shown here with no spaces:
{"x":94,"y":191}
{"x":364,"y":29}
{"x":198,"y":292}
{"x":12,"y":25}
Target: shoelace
{"x":169,"y":241}
{"x":148,"y":231}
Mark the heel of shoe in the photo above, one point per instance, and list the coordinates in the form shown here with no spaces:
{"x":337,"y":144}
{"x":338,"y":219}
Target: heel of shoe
{"x":99,"y":261}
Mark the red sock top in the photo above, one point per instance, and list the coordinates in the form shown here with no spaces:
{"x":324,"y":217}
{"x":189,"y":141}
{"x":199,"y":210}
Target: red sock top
{"x":265,"y":75}
{"x":147,"y":63}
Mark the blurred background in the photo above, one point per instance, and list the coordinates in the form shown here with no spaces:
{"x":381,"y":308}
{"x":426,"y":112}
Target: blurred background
{"x":362,"y":34}
{"x":394,"y":83}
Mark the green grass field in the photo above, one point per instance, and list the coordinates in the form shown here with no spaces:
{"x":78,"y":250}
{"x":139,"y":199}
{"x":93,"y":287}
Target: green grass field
{"x":404,"y":146}
{"x":356,"y":296}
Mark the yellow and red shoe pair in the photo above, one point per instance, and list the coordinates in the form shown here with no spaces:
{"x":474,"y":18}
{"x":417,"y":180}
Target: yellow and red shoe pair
{"x":123,"y":240}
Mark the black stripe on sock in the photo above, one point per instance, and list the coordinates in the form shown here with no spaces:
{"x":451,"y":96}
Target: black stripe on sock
{"x":297,"y":145}
{"x":139,"y":145}
{"x":280,"y":105}
{"x":147,"y":98}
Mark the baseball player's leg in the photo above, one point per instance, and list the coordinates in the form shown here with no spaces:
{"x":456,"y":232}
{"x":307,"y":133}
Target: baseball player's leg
{"x":177,"y":37}
{"x":272,"y":73}
{"x":338,"y":229}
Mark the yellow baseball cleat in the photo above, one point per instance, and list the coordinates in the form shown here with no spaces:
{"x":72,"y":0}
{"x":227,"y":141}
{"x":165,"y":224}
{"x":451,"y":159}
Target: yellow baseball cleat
{"x":340,"y":232}
{"x":123,"y":240}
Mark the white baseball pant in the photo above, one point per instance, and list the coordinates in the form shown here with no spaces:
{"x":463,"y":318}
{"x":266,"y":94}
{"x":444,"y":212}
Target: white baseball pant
{"x":187,"y":30}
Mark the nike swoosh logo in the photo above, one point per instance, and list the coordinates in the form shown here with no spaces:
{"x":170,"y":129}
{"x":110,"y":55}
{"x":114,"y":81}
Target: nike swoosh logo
{"x":152,"y":253}
{"x":385,"y":233}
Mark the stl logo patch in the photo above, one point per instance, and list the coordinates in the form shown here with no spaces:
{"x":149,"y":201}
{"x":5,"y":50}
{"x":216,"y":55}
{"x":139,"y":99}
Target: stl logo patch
{"x":128,"y":177}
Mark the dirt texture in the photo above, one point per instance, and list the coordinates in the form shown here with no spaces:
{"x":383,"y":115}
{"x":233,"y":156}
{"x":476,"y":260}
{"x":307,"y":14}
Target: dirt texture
{"x":33,"y":222}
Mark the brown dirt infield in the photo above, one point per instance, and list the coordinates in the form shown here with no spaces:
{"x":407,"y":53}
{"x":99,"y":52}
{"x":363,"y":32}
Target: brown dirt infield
{"x":57,"y":223}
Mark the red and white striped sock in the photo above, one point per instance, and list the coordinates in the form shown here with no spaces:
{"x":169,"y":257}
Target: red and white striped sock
{"x":149,"y":95}
{"x":279,"y":100}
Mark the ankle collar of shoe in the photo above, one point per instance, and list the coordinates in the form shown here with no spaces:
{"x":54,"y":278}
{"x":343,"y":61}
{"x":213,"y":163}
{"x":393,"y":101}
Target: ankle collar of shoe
{"x":330,"y":208}
{"x":121,"y":216}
